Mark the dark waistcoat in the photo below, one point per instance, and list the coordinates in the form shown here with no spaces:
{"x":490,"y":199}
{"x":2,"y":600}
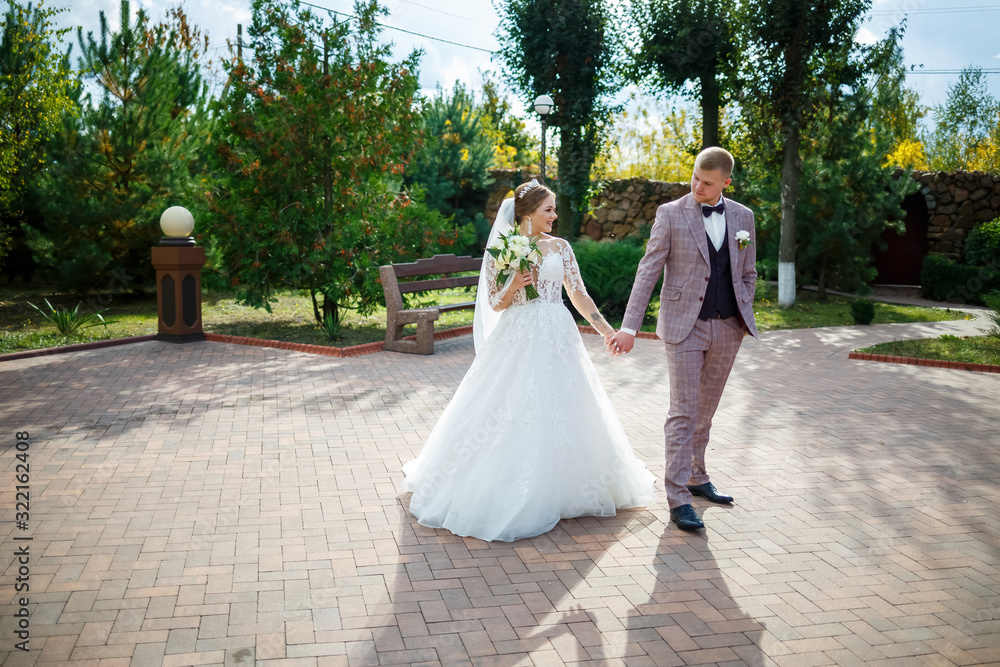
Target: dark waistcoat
{"x":719,"y":295}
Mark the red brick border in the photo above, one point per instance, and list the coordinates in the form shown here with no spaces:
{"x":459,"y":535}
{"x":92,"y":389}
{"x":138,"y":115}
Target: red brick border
{"x":367,"y":348}
{"x":329,"y":351}
{"x":933,"y":363}
{"x":325,"y":350}
{"x":77,"y":347}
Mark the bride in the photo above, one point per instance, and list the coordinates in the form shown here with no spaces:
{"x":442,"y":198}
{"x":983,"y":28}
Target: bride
{"x":530,"y":436}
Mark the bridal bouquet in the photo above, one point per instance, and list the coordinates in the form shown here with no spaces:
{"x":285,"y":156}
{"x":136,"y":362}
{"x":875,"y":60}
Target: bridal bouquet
{"x":515,"y":253}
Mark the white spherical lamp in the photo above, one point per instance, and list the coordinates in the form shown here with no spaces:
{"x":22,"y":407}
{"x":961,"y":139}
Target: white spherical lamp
{"x":543,"y":105}
{"x":177,"y":221}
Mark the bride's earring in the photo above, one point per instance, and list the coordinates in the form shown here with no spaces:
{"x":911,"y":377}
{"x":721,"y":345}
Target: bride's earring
{"x":529,"y":225}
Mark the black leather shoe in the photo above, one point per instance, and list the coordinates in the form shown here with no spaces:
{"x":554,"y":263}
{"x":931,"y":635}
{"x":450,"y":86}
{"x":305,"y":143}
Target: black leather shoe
{"x":685,"y":518}
{"x":709,"y":492}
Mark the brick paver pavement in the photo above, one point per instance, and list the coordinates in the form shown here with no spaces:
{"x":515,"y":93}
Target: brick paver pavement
{"x":215,"y":504}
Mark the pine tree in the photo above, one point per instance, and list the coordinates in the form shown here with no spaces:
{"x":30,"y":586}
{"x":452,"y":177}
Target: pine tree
{"x":452,"y":164}
{"x":125,"y":156}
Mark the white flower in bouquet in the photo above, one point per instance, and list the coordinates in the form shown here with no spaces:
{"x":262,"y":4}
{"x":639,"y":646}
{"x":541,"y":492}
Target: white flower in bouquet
{"x":515,"y":252}
{"x":518,"y":244}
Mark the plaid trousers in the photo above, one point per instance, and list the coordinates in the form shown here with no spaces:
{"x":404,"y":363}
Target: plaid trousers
{"x":698,"y":368}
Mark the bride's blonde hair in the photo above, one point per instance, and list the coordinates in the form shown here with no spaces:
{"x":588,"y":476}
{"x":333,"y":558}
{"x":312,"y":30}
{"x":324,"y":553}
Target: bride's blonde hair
{"x":529,"y":196}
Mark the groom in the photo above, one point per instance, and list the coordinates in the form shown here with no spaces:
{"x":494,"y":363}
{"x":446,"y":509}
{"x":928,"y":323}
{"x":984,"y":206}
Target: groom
{"x":703,"y":245}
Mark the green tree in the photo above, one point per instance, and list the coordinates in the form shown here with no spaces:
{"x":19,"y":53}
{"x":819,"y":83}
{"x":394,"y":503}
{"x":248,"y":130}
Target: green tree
{"x":564,"y":48}
{"x":688,"y":47}
{"x":513,"y":146}
{"x":126,"y":156}
{"x":793,"y":52}
{"x":967,"y":126}
{"x":314,"y":130}
{"x":900,"y":113}
{"x":908,"y":149}
{"x":452,"y":163}
{"x":848,"y":192}
{"x":36,"y":89}
{"x":653,"y":141}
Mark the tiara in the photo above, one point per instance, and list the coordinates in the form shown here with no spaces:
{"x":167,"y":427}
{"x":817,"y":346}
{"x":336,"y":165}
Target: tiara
{"x":531,"y":184}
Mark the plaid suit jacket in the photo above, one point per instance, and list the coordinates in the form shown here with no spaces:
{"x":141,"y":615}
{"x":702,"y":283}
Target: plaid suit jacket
{"x":678,"y":250}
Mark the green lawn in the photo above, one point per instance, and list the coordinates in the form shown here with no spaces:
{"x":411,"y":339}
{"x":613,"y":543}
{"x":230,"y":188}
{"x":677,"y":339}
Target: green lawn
{"x":23,"y":328}
{"x":970,"y":349}
{"x":809,"y":312}
{"x":291,"y":319}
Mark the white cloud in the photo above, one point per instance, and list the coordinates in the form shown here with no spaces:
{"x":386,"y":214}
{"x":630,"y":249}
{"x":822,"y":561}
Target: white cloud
{"x":865,"y":36}
{"x":459,"y":70}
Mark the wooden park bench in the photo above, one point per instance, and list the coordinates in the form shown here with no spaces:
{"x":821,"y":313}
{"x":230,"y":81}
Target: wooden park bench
{"x":397,"y":316}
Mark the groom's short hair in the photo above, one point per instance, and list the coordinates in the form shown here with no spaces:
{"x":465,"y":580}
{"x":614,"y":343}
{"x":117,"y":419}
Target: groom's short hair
{"x":715,"y":158}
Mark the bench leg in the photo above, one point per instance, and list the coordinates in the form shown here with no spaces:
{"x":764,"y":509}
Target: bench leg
{"x":424,"y":344}
{"x":393,"y":333}
{"x":425,"y":337}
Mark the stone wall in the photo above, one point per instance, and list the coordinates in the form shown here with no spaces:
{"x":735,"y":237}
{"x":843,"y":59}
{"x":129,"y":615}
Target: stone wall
{"x":504,"y":181}
{"x":627,"y":204}
{"x":619,"y":210}
{"x":957,"y":201}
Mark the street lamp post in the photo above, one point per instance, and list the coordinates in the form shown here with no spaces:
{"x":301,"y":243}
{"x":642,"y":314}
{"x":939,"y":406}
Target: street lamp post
{"x":178,"y":263}
{"x":543,"y":106}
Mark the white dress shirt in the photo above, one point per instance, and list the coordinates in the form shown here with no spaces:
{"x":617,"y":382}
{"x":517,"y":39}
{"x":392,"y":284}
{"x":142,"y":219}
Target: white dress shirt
{"x":715,"y":226}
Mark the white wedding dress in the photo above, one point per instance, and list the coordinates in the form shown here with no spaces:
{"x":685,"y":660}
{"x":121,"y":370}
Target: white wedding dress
{"x":530,"y":436}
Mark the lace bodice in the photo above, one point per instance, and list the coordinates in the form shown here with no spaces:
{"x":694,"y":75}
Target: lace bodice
{"x":557,"y":269}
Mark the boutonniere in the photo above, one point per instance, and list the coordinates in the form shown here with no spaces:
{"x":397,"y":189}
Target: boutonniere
{"x":743,"y":238}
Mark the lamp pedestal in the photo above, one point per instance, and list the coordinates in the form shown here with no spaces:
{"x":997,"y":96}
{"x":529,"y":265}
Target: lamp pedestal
{"x":178,"y":292}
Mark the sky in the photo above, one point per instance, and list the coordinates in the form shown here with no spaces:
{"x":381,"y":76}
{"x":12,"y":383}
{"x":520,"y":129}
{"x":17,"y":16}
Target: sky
{"x":942,"y":36}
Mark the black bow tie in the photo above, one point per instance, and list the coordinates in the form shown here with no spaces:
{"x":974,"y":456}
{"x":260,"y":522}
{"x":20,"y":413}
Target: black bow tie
{"x":709,"y":210}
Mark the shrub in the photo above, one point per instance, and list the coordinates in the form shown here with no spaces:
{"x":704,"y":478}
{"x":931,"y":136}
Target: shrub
{"x":863,"y":311}
{"x":307,"y":160}
{"x":765,"y":291}
{"x":67,"y":322}
{"x":943,"y":279}
{"x":993,"y":301}
{"x":608,"y":270}
{"x":982,"y":248}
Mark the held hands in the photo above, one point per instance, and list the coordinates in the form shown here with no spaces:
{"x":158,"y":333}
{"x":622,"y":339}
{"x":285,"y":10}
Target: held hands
{"x":620,"y":343}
